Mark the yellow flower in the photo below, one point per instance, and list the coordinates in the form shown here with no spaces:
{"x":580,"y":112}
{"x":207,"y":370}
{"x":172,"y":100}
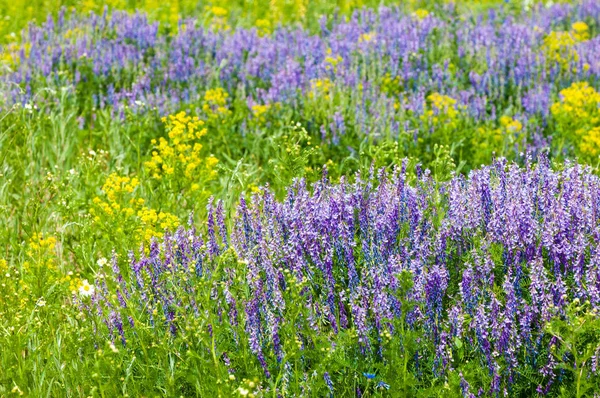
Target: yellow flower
{"x":390,"y":85}
{"x":443,"y":109}
{"x":116,"y":185}
{"x":215,"y":103}
{"x":578,"y":105}
{"x":421,"y":13}
{"x":581,"y":31}
{"x":153,"y":223}
{"x":577,"y":114}
{"x":259,"y":112}
{"x":559,"y":46}
{"x":180,"y":155}
{"x":218,"y":11}
{"x":331,"y":62}
{"x":590,"y":142}
{"x":263,"y":26}
{"x":321,"y":88}
{"x":216,"y":96}
{"x":510,"y":124}
{"x":38,"y":242}
{"x":366,"y":37}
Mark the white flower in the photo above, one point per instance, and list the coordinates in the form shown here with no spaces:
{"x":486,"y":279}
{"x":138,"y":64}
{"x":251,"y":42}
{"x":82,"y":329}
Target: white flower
{"x":113,"y":348}
{"x":86,"y":289}
{"x":102,"y":262}
{"x":41,"y":302}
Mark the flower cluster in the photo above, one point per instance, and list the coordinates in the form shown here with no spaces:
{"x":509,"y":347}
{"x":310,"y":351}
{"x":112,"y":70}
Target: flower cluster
{"x":181,"y":154}
{"x":321,"y":88}
{"x":506,"y":137}
{"x":118,"y":190}
{"x":385,"y":63}
{"x":577,"y":115}
{"x":39,"y":243}
{"x":492,"y":258}
{"x":120,"y":210}
{"x":560,"y":46}
{"x":442,"y":110}
{"x":261,"y":112}
{"x":215,"y":103}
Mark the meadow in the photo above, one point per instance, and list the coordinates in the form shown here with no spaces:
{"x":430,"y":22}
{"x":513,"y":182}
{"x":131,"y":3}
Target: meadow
{"x":294,"y":198}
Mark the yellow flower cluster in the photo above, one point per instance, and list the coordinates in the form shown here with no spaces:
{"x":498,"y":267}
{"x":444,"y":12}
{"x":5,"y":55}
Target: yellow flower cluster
{"x":263,"y":26}
{"x":578,"y":117}
{"x":579,"y":104}
{"x":180,"y":155}
{"x":38,"y":242}
{"x":117,"y":188}
{"x":488,"y":139}
{"x":219,"y":12}
{"x":559,"y":46}
{"x":259,"y":112}
{"x":115,"y":185}
{"x":443,"y":103}
{"x":42,"y":252}
{"x":331,"y":61}
{"x":321,"y":88}
{"x":283,"y":11}
{"x":39,"y":272}
{"x":215,"y":103}
{"x":391,"y":85}
{"x":580,"y":31}
{"x":74,"y":33}
{"x":154,"y":223}
{"x":219,"y":17}
{"x":367,"y":37}
{"x":176,"y":164}
{"x":10,"y":54}
{"x":41,"y":267}
{"x":511,"y":125}
{"x":96,"y":6}
{"x":590,"y":142}
{"x":421,"y":13}
{"x":74,"y":282}
{"x":216,"y":96}
{"x":442,"y":110}
{"x":123,"y":212}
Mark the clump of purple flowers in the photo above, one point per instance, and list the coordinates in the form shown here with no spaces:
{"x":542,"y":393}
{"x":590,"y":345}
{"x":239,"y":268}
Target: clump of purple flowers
{"x":493,"y":257}
{"x":488,"y":64}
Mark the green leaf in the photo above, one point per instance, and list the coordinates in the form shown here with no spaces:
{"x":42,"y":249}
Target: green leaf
{"x":458,"y":342}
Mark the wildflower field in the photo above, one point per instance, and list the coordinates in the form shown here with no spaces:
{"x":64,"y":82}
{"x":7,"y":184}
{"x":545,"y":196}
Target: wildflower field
{"x":299,"y":198}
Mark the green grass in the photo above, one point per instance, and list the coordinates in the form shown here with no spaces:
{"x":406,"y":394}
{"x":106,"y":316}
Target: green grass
{"x":51,"y":171}
{"x":16,"y":15}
